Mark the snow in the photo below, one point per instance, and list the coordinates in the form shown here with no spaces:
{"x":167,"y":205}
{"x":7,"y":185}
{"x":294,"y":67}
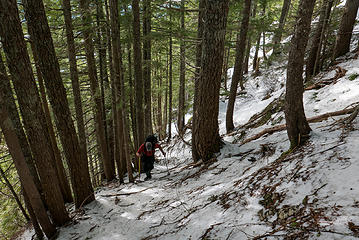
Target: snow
{"x":224,"y":199}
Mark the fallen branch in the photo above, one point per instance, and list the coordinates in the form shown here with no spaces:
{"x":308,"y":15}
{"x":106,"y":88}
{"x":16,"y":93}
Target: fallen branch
{"x":310,"y":120}
{"x":124,"y":194}
{"x":339,"y":73}
{"x":353,"y":115}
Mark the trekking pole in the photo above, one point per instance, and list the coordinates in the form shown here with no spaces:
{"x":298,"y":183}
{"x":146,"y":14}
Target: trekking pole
{"x":168,"y":171}
{"x":139,"y":168}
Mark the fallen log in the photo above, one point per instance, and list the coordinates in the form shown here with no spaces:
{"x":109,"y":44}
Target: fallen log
{"x":282,"y":127}
{"x":339,"y":73}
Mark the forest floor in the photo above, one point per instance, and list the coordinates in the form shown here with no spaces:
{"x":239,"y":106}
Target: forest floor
{"x":251,"y":190}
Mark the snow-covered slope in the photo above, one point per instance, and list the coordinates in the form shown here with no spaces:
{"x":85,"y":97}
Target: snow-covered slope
{"x":250,"y":192}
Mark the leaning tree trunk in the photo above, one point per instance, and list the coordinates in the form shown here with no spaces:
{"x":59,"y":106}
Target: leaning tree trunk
{"x":147,"y":65}
{"x":342,"y":44}
{"x":74,"y":76}
{"x":10,"y":105}
{"x":279,"y":31}
{"x":26,"y":179}
{"x":195,"y":153}
{"x":140,"y":122}
{"x":315,"y":42}
{"x":238,"y":65}
{"x":33,"y":219}
{"x":98,"y":108}
{"x":30,"y":106}
{"x":181,"y":97}
{"x":207,"y":138}
{"x":50,"y":69}
{"x":59,"y":166}
{"x":297,"y":125}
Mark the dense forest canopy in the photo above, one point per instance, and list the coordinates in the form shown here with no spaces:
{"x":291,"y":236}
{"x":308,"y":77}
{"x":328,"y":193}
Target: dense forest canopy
{"x":83,"y":82}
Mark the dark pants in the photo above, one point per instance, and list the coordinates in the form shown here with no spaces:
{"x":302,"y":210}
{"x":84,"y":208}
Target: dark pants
{"x":147,"y":164}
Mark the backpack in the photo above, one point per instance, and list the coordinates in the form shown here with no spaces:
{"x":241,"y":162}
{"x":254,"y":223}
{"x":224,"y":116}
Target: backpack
{"x":150,"y":142}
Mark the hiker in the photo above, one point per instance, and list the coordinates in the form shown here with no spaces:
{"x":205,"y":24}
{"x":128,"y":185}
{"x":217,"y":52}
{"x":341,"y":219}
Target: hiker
{"x":147,"y":154}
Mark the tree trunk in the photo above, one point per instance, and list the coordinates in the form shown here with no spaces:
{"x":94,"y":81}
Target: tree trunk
{"x":140,"y":122}
{"x":317,"y":65}
{"x":59,"y":167}
{"x":297,"y":125}
{"x":147,"y":65}
{"x":130,"y":82}
{"x":26,"y":179}
{"x":104,"y":82}
{"x":207,"y":131}
{"x":165,"y":108}
{"x":181,"y":97}
{"x":278,"y":33}
{"x":50,"y":69}
{"x":226,"y":62}
{"x":238,"y":65}
{"x":120,"y":87}
{"x":30,"y":106}
{"x":246,"y":58}
{"x":159,"y":101}
{"x":200,"y":28}
{"x":34,"y":221}
{"x":342,"y":45}
{"x":10,"y":105}
{"x":255,"y":57}
{"x":315,"y":42}
{"x":75,"y":77}
{"x":131,"y":86}
{"x":95,"y":91}
{"x":170,"y":75}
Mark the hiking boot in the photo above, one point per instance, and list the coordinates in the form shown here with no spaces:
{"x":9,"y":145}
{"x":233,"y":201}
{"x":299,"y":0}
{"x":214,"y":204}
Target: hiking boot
{"x":148,"y":176}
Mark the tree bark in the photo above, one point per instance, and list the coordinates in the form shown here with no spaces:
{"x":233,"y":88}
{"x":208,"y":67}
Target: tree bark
{"x":238,"y":65}
{"x":30,"y":106}
{"x":342,"y":45}
{"x":318,"y":58}
{"x":315,"y":42}
{"x":181,"y":97}
{"x":50,"y":69}
{"x":10,"y":105}
{"x":71,"y":49}
{"x":195,"y":153}
{"x":297,"y":124}
{"x":207,"y":131}
{"x":104,"y":82}
{"x":170,"y":75}
{"x":26,"y":179}
{"x":59,"y":167}
{"x":137,"y":60}
{"x":95,"y":91}
{"x":120,"y":87}
{"x":278,"y":33}
{"x":147,"y":15}
{"x":34,"y":221}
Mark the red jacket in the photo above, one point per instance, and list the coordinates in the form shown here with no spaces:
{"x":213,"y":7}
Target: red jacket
{"x":142,"y":149}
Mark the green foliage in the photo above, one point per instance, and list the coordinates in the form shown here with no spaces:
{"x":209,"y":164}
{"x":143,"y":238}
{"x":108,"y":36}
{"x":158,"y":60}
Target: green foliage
{"x":353,"y":76}
{"x":11,"y":219}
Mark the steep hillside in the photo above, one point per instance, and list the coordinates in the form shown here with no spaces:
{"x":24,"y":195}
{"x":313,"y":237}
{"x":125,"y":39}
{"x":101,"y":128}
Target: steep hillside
{"x":253,"y":190}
